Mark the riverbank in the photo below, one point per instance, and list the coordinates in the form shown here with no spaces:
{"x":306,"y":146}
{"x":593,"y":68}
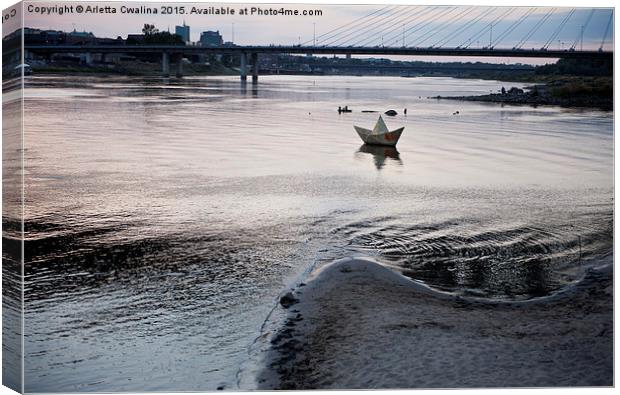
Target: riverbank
{"x":360,"y":325}
{"x":593,"y":92}
{"x":134,"y":68}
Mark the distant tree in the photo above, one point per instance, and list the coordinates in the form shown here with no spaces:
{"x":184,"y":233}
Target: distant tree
{"x":149,"y":29}
{"x":584,"y":67}
{"x":163,"y":38}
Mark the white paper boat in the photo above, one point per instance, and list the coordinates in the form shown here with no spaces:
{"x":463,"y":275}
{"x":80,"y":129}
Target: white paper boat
{"x":380,"y":135}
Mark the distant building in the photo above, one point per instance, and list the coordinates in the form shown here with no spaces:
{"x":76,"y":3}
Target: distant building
{"x":83,"y":34}
{"x":183,"y":31}
{"x":75,"y":38}
{"x":42,"y":37}
{"x":110,"y":41}
{"x":211,"y":39}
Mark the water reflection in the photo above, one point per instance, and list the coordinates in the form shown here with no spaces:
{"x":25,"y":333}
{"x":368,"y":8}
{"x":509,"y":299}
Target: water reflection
{"x":149,"y":241}
{"x":381,"y":154}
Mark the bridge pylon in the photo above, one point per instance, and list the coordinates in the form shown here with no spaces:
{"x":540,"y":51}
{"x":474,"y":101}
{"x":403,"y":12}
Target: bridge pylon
{"x":254,"y":67}
{"x":179,"y":65}
{"x":165,"y":64}
{"x":243,"y":66}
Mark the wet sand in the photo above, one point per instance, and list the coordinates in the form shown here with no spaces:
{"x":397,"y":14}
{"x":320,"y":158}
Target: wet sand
{"x":359,"y":325}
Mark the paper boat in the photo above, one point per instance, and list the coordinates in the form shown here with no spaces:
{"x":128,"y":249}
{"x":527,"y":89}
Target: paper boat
{"x":380,"y":135}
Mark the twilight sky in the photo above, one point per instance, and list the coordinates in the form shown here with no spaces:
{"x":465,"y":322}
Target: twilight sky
{"x":423,"y":25}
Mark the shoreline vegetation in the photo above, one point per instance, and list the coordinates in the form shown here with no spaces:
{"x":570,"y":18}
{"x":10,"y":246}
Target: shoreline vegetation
{"x":360,"y":325}
{"x":571,"y":91}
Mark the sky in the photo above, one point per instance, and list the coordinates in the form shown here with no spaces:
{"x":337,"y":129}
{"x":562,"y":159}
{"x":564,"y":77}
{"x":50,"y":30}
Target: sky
{"x":368,"y":25}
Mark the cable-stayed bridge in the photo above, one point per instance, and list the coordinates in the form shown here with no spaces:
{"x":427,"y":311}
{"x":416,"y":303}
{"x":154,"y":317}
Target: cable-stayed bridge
{"x":457,"y":27}
{"x":452,"y":31}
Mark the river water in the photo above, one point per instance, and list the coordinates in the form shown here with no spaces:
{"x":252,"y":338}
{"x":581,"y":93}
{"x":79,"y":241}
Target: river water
{"x":164,"y":218}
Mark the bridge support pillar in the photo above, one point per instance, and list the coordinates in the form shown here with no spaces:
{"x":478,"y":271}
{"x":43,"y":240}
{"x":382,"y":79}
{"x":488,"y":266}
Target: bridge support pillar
{"x":165,"y":64}
{"x":254,"y":67}
{"x":88,"y":58}
{"x":179,"y":64}
{"x":243,"y":67}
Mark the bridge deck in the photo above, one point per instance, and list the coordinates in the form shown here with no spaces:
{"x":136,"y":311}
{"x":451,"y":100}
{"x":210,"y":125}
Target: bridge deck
{"x":180,"y":49}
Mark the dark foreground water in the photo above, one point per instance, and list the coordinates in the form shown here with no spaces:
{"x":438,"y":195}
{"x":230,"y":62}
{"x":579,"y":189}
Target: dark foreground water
{"x":164,"y":218}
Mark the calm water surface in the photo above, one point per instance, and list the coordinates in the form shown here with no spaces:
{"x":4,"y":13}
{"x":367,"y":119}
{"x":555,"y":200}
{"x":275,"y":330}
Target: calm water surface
{"x":163,"y":218}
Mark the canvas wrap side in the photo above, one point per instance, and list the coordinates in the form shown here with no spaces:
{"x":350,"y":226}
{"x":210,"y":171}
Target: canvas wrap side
{"x":12,"y":198}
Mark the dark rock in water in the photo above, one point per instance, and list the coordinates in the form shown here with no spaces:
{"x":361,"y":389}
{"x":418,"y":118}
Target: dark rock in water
{"x":288,"y":299}
{"x":391,"y":113}
{"x":220,"y":388}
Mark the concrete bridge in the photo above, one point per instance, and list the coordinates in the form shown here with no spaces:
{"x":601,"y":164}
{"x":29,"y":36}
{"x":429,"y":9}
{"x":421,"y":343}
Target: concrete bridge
{"x":249,"y":54}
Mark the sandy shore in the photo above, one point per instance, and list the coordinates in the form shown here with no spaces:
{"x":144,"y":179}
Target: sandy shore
{"x":358,"y":324}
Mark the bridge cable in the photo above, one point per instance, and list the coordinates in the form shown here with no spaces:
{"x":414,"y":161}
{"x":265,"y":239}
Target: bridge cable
{"x":429,"y":33}
{"x":470,"y":25}
{"x":434,"y":30}
{"x":611,"y":16}
{"x":371,"y":31}
{"x":345,"y":25}
{"x":461,"y":29}
{"x":361,"y":22}
{"x":398,"y":34}
{"x":367,"y":41}
{"x":583,"y":29}
{"x":559,"y":29}
{"x":534,"y":29}
{"x":376,"y":35}
{"x":363,"y":28}
{"x":487,"y":27}
{"x":452,"y":22}
{"x":354,"y":26}
{"x":470,"y":40}
{"x":408,"y":32}
{"x":490,"y":26}
{"x":512,"y":27}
